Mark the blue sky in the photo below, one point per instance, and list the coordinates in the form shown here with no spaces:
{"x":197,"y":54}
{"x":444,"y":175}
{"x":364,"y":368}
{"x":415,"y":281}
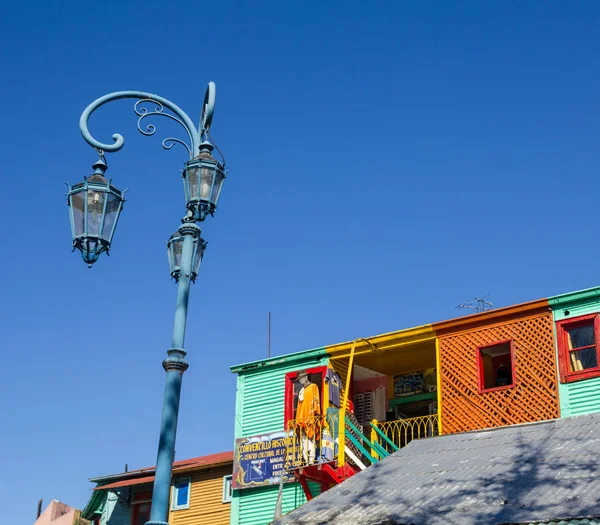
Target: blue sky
{"x":388,"y":161}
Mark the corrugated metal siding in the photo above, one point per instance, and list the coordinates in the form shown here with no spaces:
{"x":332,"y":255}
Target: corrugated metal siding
{"x":206,"y":500}
{"x":262,"y":406}
{"x":257,"y":506}
{"x":581,"y":397}
{"x":116,"y":512}
{"x":260,"y":409}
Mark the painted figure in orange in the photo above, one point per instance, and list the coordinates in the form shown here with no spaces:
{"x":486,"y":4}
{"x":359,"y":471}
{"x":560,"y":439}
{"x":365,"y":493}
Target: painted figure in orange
{"x":308,"y":412}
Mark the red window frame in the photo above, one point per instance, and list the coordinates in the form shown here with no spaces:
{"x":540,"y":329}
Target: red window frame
{"x":480,"y":370}
{"x":566,"y":376}
{"x":290,"y":377}
{"x":139,"y":499}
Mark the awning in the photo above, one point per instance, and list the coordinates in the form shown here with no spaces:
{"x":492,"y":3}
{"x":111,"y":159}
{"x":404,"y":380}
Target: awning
{"x":126,"y":483}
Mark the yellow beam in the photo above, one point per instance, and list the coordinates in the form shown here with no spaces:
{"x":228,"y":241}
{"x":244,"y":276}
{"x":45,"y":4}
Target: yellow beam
{"x":342,"y":422}
{"x":438,"y":373}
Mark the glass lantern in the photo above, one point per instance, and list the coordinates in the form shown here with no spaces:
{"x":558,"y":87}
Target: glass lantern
{"x":175,"y":251}
{"x":95,"y":205}
{"x":203,"y":178}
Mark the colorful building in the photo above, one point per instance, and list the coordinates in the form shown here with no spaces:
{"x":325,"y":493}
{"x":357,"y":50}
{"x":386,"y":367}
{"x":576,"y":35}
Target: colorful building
{"x":577,"y":331}
{"x":260,"y":418}
{"x":377,"y":394}
{"x":200,"y":494}
{"x":58,"y":513}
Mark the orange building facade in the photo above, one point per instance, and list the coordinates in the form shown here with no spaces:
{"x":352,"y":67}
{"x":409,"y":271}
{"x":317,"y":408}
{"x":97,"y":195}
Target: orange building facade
{"x":524,"y":336}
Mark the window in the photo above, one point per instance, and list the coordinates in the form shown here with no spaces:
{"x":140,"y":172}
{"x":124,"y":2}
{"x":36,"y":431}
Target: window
{"x":180,"y":497}
{"x":227,"y":489}
{"x":292,"y":389}
{"x":496,"y":366}
{"x":578,"y":348}
{"x":140,"y":513}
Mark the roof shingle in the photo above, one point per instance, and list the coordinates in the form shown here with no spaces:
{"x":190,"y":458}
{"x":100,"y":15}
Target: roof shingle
{"x":517,"y":474}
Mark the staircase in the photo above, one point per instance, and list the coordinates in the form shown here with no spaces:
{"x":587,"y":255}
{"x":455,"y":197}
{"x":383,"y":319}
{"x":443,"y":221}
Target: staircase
{"x":314,"y":453}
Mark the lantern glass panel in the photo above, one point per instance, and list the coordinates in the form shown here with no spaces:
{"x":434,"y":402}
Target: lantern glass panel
{"x":219,"y":176}
{"x":208,"y":173}
{"x":112,"y":210}
{"x":95,"y":202}
{"x":78,"y":209}
{"x":192,"y":179}
{"x":198,"y":257}
{"x":177,"y":250}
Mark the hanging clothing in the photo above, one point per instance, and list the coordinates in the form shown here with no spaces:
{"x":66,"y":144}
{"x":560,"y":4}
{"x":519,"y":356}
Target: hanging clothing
{"x":380,"y":404}
{"x":309,"y":408}
{"x":334,"y":383}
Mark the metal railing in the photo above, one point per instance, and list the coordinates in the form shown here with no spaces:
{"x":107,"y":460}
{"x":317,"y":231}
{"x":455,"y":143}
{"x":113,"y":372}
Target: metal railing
{"x":312,"y":440}
{"x":393,"y":435}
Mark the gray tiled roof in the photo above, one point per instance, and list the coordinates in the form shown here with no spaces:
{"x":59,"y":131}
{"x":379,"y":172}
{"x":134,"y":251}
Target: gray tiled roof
{"x":520,"y":474}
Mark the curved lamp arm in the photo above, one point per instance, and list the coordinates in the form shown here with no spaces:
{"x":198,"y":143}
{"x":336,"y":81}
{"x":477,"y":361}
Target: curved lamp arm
{"x":195,"y":136}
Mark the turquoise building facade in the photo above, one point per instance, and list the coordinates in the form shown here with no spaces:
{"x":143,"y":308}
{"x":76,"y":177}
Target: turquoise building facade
{"x":260,"y":409}
{"x":579,"y":393}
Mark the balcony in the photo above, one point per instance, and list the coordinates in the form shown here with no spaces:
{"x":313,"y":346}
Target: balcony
{"x":314,"y":451}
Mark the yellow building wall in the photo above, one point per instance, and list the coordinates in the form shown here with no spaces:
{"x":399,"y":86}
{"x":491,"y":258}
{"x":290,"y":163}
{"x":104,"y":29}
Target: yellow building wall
{"x":206,"y":499}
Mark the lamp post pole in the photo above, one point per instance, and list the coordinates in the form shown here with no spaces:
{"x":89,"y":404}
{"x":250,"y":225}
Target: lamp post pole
{"x":95,"y":205}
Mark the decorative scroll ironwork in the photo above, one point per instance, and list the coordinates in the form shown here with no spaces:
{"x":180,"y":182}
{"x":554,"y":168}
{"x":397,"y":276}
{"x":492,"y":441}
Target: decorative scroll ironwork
{"x":195,"y":136}
{"x":143,"y":113}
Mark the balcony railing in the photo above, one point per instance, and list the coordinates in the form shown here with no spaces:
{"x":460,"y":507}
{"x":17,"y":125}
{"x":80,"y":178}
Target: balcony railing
{"x":316,"y":439}
{"x":312,"y":440}
{"x":393,"y":435}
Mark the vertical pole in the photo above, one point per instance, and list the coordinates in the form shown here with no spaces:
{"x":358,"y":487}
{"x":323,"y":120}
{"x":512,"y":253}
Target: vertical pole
{"x":175,"y":365}
{"x":342,"y":427}
{"x":438,"y":378}
{"x":269,"y":334}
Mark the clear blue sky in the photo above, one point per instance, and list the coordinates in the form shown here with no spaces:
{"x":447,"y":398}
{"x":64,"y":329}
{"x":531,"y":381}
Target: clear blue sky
{"x":388,"y":162}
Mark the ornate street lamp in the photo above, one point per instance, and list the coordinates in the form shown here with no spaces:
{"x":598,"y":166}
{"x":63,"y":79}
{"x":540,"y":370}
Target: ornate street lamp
{"x":95,"y":205}
{"x":175,"y":250}
{"x":203,"y":178}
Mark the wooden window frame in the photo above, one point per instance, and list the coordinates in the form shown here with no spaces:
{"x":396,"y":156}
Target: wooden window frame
{"x":566,"y":376}
{"x":178,"y":481}
{"x":227,"y":480}
{"x":290,"y":377}
{"x":480,"y":370}
{"x":139,"y":499}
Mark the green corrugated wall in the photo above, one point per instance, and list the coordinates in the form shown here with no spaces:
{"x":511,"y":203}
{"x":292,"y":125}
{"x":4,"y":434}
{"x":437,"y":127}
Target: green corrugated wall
{"x":579,"y":397}
{"x":260,"y":409}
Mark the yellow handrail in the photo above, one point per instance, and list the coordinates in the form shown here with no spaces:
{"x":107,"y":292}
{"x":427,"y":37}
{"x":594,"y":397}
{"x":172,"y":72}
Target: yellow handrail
{"x":342,"y":431}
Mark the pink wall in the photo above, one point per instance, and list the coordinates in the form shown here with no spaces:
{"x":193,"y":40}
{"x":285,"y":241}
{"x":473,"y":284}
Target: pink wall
{"x":57,"y":513}
{"x":371,"y":384}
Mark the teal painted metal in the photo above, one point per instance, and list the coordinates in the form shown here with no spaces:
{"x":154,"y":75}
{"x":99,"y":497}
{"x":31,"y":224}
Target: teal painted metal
{"x":385,"y":438}
{"x":258,"y":509}
{"x":261,"y":409}
{"x":91,"y":203}
{"x":579,"y":397}
{"x":188,"y":239}
{"x":260,"y":406}
{"x":175,"y":250}
{"x":357,"y":442}
{"x":202,"y":192}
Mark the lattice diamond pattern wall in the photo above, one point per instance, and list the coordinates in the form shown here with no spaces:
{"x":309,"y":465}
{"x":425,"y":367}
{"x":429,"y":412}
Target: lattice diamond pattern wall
{"x":535,"y":396}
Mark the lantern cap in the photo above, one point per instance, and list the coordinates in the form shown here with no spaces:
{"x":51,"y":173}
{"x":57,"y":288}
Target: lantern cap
{"x":206,"y":146}
{"x":100,"y":166}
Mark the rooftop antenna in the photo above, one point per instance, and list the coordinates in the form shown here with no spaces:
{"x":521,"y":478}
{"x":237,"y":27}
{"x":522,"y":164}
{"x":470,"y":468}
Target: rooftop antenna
{"x":269,"y":347}
{"x":479,"y":304}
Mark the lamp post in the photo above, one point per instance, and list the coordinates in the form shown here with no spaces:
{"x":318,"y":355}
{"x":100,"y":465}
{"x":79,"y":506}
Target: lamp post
{"x":95,"y":205}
